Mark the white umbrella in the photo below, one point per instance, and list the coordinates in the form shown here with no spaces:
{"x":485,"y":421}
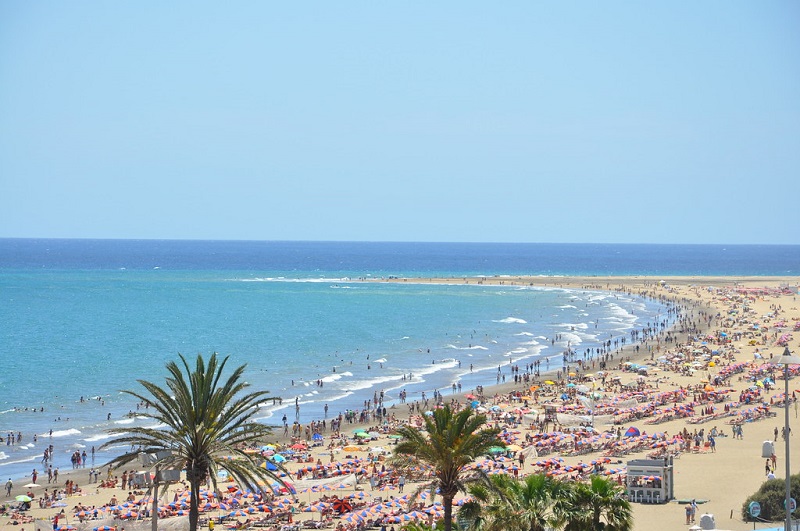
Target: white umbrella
{"x":32,"y":485}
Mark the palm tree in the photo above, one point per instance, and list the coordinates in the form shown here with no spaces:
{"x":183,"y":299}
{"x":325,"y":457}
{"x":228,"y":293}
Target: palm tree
{"x":451,"y":441}
{"x":535,"y":503}
{"x":207,"y":424}
{"x":599,"y":505}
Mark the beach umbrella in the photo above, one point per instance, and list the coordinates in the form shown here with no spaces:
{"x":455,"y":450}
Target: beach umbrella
{"x":24,"y":499}
{"x":354,"y":449}
{"x":342,"y":506}
{"x":32,"y":485}
{"x":632,"y":432}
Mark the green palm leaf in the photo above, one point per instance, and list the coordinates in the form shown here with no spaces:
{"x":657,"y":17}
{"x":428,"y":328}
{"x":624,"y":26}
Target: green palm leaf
{"x":449,"y":442}
{"x":204,"y":422}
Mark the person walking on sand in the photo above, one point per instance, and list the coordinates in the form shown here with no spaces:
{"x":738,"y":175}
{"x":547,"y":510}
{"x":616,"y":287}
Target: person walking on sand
{"x":9,"y":486}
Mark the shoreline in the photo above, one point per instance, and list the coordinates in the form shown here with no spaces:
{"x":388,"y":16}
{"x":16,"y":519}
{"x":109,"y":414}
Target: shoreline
{"x":696,"y":293}
{"x":649,"y":285}
{"x":88,"y":420}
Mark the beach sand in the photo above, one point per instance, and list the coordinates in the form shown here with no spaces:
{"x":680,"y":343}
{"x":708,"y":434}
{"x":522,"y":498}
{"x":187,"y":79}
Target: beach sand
{"x":724,"y":478}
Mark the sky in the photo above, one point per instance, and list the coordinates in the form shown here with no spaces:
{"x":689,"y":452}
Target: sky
{"x":568,"y":122}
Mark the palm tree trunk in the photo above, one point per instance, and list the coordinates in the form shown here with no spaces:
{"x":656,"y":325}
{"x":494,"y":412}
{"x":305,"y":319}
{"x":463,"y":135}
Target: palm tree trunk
{"x":448,"y":512}
{"x":194,"y":485}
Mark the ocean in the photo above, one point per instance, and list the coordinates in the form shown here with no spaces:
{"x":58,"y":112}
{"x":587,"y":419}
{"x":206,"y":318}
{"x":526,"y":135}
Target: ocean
{"x":83,"y":319}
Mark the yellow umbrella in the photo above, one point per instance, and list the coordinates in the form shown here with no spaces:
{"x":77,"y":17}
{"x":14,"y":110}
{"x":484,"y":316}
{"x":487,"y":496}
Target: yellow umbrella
{"x":549,"y":382}
{"x":351,"y":449}
{"x":514,"y":447}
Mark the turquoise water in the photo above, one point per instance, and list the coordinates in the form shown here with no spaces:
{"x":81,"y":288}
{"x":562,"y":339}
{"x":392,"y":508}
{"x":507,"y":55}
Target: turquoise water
{"x":86,"y":319}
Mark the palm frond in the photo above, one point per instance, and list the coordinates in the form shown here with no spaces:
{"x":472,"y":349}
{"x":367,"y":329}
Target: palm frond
{"x":204,"y":420}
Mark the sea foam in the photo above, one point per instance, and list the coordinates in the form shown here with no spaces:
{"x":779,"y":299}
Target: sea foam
{"x":65,"y":433}
{"x":511,"y":320}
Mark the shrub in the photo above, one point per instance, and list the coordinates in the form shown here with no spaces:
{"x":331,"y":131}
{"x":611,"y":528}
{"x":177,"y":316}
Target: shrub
{"x":771,"y":495}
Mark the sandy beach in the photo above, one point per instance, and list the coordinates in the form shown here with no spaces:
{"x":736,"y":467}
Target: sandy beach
{"x":702,"y":374}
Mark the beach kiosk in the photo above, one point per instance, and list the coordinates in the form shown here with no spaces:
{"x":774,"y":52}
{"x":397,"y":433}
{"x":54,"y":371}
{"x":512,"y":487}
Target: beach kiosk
{"x":767,"y":449}
{"x":650,"y":480}
{"x":551,"y":414}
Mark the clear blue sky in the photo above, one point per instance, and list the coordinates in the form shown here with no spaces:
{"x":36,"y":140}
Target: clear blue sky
{"x":656,"y":122}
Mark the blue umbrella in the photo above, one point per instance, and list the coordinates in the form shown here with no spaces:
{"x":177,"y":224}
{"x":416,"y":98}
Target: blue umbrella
{"x":632,"y":432}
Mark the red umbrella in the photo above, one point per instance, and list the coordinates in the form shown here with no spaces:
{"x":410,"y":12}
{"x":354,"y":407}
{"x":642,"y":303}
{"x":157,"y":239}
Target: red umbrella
{"x":342,"y":506}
